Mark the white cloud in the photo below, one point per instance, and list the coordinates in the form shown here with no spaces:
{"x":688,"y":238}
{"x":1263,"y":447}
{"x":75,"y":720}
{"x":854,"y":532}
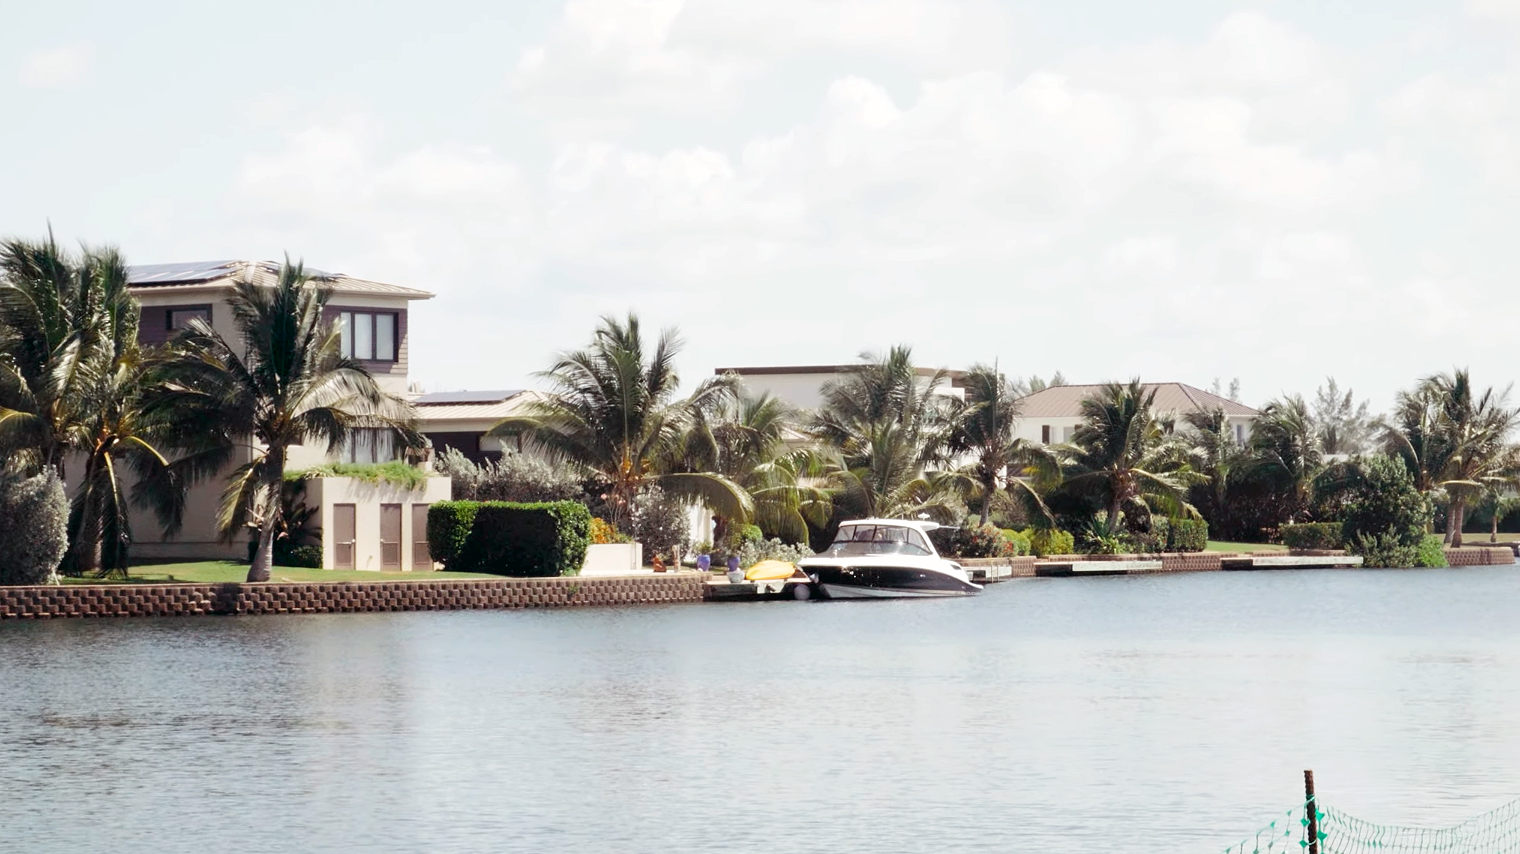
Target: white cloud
{"x":1502,"y":9}
{"x":55,"y":67}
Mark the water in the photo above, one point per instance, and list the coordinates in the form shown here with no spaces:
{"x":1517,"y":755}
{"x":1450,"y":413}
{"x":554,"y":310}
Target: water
{"x":1158,"y":713}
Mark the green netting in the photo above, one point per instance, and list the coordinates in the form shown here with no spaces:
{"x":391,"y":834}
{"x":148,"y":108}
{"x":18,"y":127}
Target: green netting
{"x":1286,"y":835}
{"x":1494,"y":832}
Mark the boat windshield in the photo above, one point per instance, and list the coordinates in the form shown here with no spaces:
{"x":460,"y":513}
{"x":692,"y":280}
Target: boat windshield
{"x":879,"y":540}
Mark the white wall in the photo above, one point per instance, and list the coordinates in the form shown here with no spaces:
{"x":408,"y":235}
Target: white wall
{"x":804,"y":391}
{"x":324,"y":492}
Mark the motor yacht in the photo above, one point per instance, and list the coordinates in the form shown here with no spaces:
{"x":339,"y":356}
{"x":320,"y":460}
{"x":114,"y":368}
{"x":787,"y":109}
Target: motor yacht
{"x":885,"y":559}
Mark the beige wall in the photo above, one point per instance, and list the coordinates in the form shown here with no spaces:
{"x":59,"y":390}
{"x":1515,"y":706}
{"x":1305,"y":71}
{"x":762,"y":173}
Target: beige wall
{"x":325,"y":492}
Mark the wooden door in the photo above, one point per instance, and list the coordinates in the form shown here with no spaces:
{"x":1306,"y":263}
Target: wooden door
{"x":343,"y":536}
{"x":390,"y":537}
{"x":422,"y":559}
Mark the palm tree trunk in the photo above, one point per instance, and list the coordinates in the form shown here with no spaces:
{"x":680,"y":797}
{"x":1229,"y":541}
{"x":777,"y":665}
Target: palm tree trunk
{"x":263,"y":556}
{"x":1456,"y":531}
{"x":1493,"y":531}
{"x":1113,"y":512}
{"x":1451,"y":517}
{"x":988,"y":488}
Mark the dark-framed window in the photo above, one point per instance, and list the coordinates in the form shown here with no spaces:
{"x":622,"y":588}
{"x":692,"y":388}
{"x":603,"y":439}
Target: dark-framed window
{"x":369,"y":335}
{"x":370,"y":445}
{"x":179,"y":317}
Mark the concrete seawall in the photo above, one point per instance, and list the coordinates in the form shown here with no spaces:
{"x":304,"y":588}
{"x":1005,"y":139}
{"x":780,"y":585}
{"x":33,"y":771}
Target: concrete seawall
{"x":176,"y":600}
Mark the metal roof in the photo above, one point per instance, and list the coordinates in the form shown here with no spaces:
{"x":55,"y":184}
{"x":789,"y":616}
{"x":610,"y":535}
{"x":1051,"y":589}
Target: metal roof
{"x":1065,"y":401}
{"x":440,"y":398}
{"x":194,"y":275}
{"x":432,"y":417}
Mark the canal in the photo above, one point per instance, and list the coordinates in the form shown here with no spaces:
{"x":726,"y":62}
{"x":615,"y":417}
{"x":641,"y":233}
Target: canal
{"x":1156,"y":713}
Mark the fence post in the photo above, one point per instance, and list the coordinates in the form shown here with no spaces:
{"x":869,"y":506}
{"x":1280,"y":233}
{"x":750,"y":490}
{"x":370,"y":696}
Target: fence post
{"x":1313,"y":809}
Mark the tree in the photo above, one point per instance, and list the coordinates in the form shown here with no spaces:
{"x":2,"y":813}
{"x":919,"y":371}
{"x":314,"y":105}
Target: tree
{"x":982,"y":427}
{"x":1343,"y":426}
{"x":887,"y":425}
{"x":747,"y":442}
{"x":614,"y":413}
{"x":1286,"y":449}
{"x":71,"y":380}
{"x":1386,"y":514}
{"x":1116,"y":444}
{"x":1452,"y":438}
{"x":284,"y":383}
{"x":33,"y":525}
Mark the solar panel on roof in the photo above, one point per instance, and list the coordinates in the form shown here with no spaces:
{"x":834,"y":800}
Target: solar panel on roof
{"x":183,"y":271}
{"x":441,"y":398}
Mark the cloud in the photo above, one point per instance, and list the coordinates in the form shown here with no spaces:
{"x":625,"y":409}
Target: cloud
{"x":1501,"y":9}
{"x":55,"y":67}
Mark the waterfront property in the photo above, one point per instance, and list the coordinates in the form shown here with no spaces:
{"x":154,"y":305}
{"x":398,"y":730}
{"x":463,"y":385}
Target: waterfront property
{"x":1050,"y":416}
{"x":461,"y":419}
{"x":365,"y":524}
{"x":801,"y":386}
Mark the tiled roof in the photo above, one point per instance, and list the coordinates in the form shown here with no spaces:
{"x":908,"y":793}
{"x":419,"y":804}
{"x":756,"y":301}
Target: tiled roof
{"x":1065,"y":401}
{"x":198,"y":275}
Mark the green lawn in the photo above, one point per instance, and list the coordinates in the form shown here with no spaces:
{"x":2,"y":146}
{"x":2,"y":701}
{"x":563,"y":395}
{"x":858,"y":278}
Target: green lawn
{"x":1222,"y":546}
{"x":215,"y":571}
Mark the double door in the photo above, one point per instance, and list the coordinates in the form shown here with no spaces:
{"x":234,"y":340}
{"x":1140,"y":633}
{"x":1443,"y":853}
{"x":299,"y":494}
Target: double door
{"x":348,"y":551}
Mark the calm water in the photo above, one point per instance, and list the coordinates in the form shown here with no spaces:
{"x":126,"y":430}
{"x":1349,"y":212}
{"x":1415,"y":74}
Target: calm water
{"x":1163,"y":713}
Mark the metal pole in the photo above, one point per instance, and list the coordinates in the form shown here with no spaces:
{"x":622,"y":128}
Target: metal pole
{"x":1313,"y":809}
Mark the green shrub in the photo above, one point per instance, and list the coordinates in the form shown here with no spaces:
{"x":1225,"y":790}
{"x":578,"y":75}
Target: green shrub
{"x":1382,"y":500}
{"x":395,"y":473}
{"x":34,"y":517}
{"x":1384,"y":550}
{"x":512,"y":477}
{"x":1187,"y":535}
{"x":536,"y":540}
{"x":1052,"y":541}
{"x":1430,"y":553}
{"x":970,"y":541}
{"x":772,"y":549}
{"x":662,"y":523}
{"x":448,"y":528}
{"x":1313,"y":535}
{"x":1019,"y":541}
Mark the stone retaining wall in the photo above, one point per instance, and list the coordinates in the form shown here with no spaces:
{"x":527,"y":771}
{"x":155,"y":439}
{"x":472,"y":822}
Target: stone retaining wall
{"x":1485,"y":556}
{"x":175,"y":600}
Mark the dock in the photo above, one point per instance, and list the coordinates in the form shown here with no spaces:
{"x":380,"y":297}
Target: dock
{"x":1069,"y":568}
{"x":1325,"y":561}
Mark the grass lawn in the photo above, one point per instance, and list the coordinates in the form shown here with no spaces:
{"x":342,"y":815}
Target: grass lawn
{"x":216,"y":571}
{"x":1222,"y":546}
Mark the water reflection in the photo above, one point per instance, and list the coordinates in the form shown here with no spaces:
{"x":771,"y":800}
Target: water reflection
{"x":1156,"y":713}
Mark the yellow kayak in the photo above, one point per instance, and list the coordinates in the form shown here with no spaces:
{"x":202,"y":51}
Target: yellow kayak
{"x":769,"y":570}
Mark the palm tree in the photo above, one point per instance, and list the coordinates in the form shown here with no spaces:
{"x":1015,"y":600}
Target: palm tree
{"x":1286,"y":449}
{"x":285,"y":383}
{"x":613,"y":412}
{"x":748,"y":443}
{"x":51,"y":347}
{"x":886,"y":426}
{"x":73,"y":377}
{"x":1116,"y":453}
{"x":1452,"y":439}
{"x":984,"y":423}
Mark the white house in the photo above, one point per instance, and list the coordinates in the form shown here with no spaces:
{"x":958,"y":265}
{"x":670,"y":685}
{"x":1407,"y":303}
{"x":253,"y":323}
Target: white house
{"x":364,"y":525}
{"x":1050,"y":416}
{"x":802,"y":385}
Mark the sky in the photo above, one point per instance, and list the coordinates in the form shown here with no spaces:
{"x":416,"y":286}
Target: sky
{"x":1179,"y":190}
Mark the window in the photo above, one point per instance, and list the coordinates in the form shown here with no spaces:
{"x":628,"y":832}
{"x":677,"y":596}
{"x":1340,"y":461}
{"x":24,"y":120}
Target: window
{"x":1045,"y":434}
{"x":179,"y":318}
{"x":368,"y":335}
{"x":369,"y":445}
{"x":1066,"y":433}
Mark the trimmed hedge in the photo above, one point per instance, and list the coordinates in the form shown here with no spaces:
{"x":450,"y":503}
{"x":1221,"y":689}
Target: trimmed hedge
{"x":1187,"y":535}
{"x":1314,"y":535}
{"x":536,"y":540}
{"x":1053,"y":541}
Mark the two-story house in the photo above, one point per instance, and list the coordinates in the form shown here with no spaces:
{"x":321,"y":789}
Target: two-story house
{"x":1050,"y":416}
{"x":364,"y":525}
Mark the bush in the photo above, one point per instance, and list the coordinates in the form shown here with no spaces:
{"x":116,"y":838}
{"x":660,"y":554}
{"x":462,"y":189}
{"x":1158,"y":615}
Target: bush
{"x":1385,"y":513}
{"x":971,"y":541}
{"x":1430,"y":552}
{"x":535,"y":540}
{"x":395,"y":473}
{"x":1187,"y":535}
{"x":1313,"y":535}
{"x":1384,"y":550}
{"x":1019,"y":541}
{"x":1052,"y":541}
{"x":602,"y":533}
{"x":772,"y":549}
{"x":513,"y":477}
{"x":662,"y":522}
{"x":448,"y":528}
{"x":34,"y":518}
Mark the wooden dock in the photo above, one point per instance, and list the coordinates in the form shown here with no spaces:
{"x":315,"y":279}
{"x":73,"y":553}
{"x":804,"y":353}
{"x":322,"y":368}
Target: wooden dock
{"x":1326,"y":561}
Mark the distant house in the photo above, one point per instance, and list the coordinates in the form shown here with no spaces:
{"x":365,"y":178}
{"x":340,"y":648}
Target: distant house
{"x":461,"y":419}
{"x":802,"y":385}
{"x":1051,"y":415}
{"x":364,"y":525}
